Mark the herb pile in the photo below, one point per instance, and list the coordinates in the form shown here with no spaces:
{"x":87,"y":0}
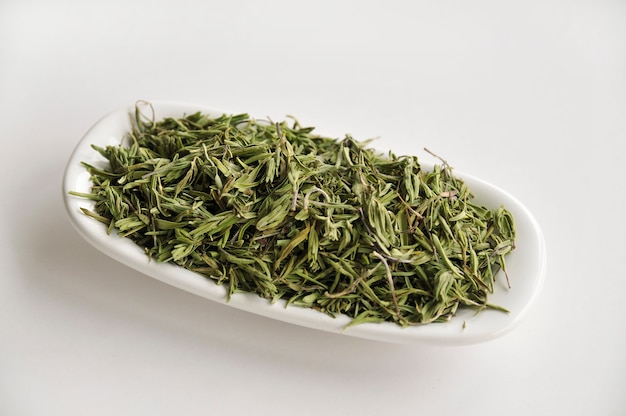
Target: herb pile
{"x":273,"y":209}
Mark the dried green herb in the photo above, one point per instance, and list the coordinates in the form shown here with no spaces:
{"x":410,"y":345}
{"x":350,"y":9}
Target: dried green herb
{"x":274,"y":209}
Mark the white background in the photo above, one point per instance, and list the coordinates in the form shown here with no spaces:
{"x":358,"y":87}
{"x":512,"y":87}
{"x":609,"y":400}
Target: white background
{"x":530,"y":95}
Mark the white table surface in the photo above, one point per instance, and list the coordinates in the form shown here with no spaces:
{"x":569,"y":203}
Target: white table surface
{"x":530,"y":95}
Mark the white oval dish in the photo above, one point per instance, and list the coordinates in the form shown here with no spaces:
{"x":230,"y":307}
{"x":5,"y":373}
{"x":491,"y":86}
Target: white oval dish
{"x":526,"y":265}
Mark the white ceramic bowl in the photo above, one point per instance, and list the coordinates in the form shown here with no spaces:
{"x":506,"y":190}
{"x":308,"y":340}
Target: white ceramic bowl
{"x":526,"y":265}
